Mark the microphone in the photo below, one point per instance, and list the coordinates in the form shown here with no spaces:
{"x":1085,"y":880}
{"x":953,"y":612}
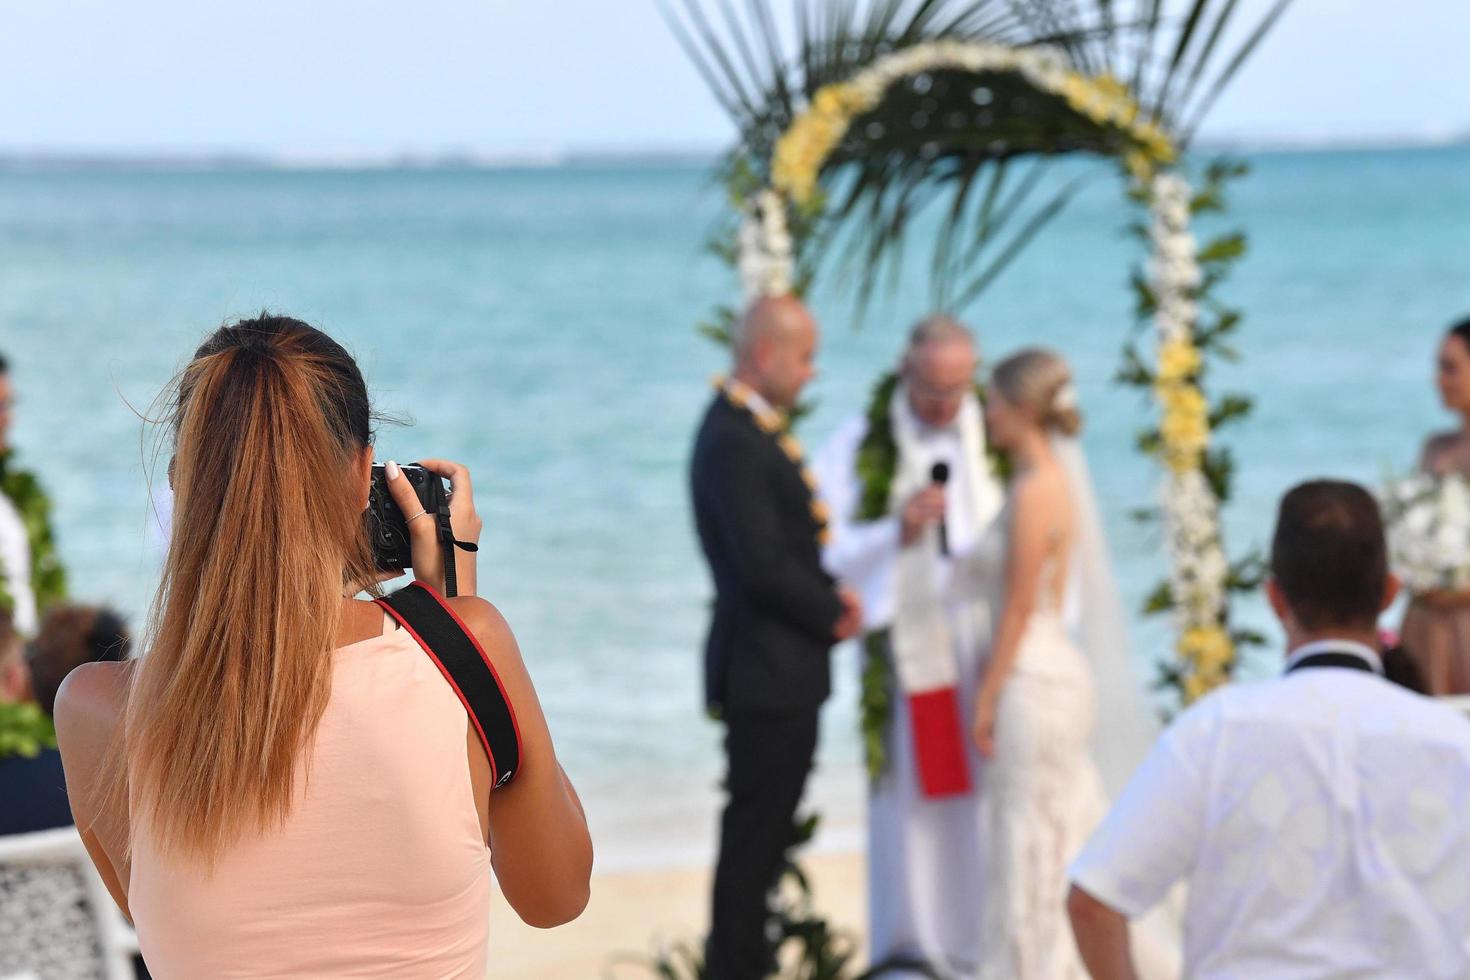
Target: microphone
{"x":940,"y":475}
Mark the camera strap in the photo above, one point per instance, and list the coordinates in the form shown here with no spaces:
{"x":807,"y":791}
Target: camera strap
{"x":448,"y":543}
{"x":460,"y":658}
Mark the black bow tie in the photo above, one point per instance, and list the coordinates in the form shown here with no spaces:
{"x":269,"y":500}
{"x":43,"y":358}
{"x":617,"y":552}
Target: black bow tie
{"x":1329,"y":658}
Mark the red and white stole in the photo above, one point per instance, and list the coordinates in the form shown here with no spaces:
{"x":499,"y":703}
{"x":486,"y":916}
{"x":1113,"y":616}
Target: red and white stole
{"x":921,"y":639}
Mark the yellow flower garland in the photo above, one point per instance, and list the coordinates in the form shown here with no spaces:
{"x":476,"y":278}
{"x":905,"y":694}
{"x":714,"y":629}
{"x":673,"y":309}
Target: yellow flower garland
{"x":1179,"y":361}
{"x":774,"y":423}
{"x":806,"y":145}
{"x":1185,"y":429}
{"x":1208,"y":649}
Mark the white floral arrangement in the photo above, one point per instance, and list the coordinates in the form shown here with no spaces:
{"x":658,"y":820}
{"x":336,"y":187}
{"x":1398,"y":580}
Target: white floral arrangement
{"x":1428,"y":523}
{"x":766,"y":263}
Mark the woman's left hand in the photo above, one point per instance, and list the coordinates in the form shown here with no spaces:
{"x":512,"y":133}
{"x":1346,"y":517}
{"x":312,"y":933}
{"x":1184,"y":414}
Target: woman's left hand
{"x":983,"y":728}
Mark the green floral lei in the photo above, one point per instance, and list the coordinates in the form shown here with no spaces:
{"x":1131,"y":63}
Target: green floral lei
{"x":877,"y":464}
{"x":25,"y":730}
{"x":48,"y":577}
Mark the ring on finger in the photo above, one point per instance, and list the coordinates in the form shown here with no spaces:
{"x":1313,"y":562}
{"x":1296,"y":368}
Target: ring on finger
{"x":422,"y":513}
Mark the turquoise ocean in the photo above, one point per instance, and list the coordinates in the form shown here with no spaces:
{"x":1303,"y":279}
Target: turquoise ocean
{"x":538,"y":325}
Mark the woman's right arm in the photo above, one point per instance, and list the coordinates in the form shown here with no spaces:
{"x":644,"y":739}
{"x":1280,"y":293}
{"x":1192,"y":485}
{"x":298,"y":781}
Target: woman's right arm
{"x":539,"y":843}
{"x":89,"y":713}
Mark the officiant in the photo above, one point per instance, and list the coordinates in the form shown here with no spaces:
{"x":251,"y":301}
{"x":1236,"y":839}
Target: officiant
{"x":912,"y":490}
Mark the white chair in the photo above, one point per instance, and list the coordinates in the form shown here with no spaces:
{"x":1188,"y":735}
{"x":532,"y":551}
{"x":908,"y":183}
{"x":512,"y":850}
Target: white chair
{"x":61,"y":851}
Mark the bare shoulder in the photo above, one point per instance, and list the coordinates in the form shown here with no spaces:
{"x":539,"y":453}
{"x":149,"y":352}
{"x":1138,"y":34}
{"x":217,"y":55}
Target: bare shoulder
{"x":1438,"y":451}
{"x":90,"y":707}
{"x":91,"y":701}
{"x":487,"y":624}
{"x":1042,"y":487}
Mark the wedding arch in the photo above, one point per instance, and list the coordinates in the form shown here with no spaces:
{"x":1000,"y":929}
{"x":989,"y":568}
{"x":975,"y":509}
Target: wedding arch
{"x":890,"y":106}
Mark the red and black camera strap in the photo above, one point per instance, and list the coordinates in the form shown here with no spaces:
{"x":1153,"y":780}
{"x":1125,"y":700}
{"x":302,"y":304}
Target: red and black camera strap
{"x":419,"y":609}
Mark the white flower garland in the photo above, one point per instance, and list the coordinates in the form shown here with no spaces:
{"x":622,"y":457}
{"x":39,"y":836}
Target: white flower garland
{"x":766,"y":264}
{"x":1200,"y":573}
{"x":1044,"y":67}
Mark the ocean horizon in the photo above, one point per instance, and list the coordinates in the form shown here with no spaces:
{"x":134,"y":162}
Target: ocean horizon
{"x":449,"y":158}
{"x":537,"y":323}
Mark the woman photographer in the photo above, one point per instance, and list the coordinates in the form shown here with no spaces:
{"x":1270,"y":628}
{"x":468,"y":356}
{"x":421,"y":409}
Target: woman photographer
{"x":284,"y":784}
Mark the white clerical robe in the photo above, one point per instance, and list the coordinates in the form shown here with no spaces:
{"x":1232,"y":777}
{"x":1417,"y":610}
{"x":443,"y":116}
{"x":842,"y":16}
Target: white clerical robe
{"x":925,"y":873}
{"x":15,"y":567}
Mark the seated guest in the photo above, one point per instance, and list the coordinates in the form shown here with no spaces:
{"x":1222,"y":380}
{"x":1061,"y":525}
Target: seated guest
{"x":34,"y":789}
{"x":1317,"y":816}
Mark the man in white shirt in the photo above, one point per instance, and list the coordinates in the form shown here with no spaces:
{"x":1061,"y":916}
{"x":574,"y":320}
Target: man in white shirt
{"x":1318,"y":817}
{"x":15,"y":546}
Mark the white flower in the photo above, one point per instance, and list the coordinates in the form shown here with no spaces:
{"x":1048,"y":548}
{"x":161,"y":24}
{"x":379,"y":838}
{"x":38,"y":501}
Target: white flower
{"x":1428,"y":524}
{"x":765,"y":261}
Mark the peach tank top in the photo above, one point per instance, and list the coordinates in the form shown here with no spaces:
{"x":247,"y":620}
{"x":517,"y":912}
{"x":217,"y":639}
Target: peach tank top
{"x":379,"y":871}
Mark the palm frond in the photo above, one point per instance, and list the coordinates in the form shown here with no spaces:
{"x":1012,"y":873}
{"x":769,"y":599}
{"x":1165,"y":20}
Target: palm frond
{"x":1246,"y":49}
{"x":935,"y":145}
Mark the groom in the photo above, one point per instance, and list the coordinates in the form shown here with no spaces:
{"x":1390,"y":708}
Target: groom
{"x":776,"y":616}
{"x":912,"y":489}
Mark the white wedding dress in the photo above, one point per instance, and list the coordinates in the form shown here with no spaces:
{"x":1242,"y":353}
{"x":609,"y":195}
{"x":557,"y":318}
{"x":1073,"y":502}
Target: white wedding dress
{"x":1042,"y":792}
{"x":1046,"y":788}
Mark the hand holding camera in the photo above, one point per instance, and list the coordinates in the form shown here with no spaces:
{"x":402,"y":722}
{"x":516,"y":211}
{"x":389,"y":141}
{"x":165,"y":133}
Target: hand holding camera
{"x":409,"y":522}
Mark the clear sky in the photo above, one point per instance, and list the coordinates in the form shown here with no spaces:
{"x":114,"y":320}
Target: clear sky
{"x":369,"y":77}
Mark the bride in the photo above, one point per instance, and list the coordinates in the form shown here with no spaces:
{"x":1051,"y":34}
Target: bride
{"x":1037,"y":704}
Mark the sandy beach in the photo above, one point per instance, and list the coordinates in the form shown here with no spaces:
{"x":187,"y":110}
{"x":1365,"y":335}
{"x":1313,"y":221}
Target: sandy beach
{"x":632,"y":912}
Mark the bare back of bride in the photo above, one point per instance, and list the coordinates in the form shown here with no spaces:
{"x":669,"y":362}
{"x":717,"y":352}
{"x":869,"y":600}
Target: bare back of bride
{"x":1059,"y":650}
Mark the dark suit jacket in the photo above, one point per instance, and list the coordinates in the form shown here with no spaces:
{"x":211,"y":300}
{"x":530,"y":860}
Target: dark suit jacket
{"x":33,"y":792}
{"x":771,"y":636}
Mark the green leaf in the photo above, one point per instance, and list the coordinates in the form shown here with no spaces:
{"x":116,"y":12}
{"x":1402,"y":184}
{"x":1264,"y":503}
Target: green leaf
{"x":1224,"y":169}
{"x":23,"y":489}
{"x":1207,"y":201}
{"x":1226,"y":248}
{"x":1226,"y":322}
{"x":1231,"y":408}
{"x":25,"y":730}
{"x":1247,"y":574}
{"x":725,"y":248}
{"x":1218,"y":468}
{"x":720,"y":327}
{"x":1249,"y":638}
{"x":1133,"y":371}
{"x":1160,"y":600}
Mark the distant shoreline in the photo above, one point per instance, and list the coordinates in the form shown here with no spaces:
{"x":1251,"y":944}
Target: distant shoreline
{"x":45,"y":161}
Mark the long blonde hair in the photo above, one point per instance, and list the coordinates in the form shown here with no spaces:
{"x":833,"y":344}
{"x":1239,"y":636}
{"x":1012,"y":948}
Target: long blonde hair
{"x":270,"y":421}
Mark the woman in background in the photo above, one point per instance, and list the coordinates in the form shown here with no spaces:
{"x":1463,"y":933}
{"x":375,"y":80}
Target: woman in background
{"x":284,"y":785}
{"x":1436,"y":629}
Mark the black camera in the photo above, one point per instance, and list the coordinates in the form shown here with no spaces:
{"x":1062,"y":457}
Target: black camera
{"x":387,"y":526}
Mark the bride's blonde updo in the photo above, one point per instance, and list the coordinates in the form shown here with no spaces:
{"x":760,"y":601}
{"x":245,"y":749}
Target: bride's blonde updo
{"x":1039,"y":381}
